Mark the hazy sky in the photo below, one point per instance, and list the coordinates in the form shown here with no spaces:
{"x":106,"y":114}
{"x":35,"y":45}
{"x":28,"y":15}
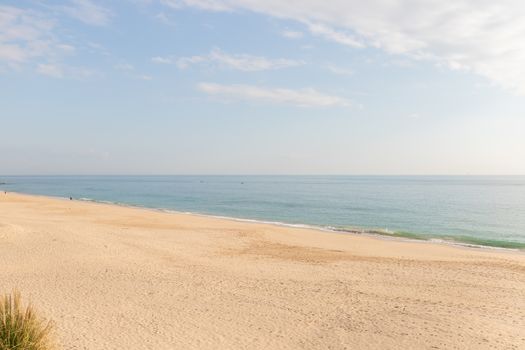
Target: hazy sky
{"x":262,"y":87}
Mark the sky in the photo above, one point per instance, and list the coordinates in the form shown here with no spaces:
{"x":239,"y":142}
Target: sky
{"x":426,"y":87}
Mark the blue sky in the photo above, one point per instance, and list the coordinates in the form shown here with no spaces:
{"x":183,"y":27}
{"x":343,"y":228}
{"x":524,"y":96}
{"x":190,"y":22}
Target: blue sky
{"x":262,"y":87}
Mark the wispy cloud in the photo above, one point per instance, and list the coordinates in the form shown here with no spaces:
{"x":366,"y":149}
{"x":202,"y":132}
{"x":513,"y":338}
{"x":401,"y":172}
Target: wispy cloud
{"x":88,"y":12}
{"x":300,"y":97}
{"x":292,"y":34}
{"x":162,"y":60}
{"x":30,"y":39}
{"x":210,"y":5}
{"x":249,"y":63}
{"x":334,"y":35}
{"x":185,"y":62}
{"x":24,"y":35}
{"x":484,"y":37}
{"x":131,"y":72}
{"x":242,"y":62}
{"x":51,"y":70}
{"x":144,"y":77}
{"x":164,"y":18}
{"x":59,"y":71}
{"x":124,"y":66}
{"x":339,"y":70}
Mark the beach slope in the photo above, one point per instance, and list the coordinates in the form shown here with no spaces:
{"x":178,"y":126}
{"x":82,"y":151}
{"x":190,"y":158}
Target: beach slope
{"x":112,"y":277}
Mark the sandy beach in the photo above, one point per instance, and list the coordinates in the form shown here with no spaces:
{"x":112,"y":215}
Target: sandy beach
{"x":112,"y":277}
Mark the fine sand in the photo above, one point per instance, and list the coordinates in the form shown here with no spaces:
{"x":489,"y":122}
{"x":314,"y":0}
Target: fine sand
{"x":112,"y":277}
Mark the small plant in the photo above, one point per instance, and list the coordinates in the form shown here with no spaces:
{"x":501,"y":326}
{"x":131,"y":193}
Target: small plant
{"x":21,"y":328}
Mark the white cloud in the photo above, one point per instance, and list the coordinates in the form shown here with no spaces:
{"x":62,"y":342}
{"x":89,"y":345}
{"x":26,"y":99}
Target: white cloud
{"x":161,"y":60}
{"x":144,"y":77}
{"x":182,"y":62}
{"x":82,"y":73}
{"x":242,"y":62}
{"x":69,"y":49}
{"x":210,"y":5}
{"x":482,"y":36}
{"x":24,"y":35}
{"x":251,"y":63}
{"x":12,"y":53}
{"x":339,"y":70}
{"x":292,"y":34}
{"x":124,"y":66}
{"x":59,"y":71}
{"x":29,"y":39}
{"x":300,"y":97}
{"x":333,"y":35}
{"x":88,"y":12}
{"x":185,"y":62}
{"x":164,"y":18}
{"x":50,"y":70}
{"x":129,"y":70}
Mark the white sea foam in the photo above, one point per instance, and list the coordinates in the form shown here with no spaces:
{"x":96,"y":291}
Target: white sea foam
{"x":347,"y":205}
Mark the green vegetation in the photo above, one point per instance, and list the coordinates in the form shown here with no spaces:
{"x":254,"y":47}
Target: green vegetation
{"x":21,"y":328}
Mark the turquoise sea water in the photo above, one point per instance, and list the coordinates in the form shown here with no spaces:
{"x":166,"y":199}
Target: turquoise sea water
{"x":483,"y":210}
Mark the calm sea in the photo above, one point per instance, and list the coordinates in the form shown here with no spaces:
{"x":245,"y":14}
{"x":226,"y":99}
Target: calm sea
{"x":484,"y":210}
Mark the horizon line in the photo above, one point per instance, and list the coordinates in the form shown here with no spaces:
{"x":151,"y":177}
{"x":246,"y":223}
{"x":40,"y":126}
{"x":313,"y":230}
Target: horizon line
{"x":227,"y":174}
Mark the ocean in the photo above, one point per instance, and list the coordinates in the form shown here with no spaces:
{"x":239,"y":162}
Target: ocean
{"x":478,"y":210}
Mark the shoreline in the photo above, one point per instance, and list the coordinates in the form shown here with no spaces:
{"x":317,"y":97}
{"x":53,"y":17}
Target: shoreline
{"x":372,"y":233}
{"x":174,"y":280}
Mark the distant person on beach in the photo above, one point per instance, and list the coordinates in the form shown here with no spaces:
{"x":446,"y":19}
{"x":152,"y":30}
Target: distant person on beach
{"x":70,"y":198}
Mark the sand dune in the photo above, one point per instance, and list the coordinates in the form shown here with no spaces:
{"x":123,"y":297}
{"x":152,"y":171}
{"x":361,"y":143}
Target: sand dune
{"x":121,"y":278}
